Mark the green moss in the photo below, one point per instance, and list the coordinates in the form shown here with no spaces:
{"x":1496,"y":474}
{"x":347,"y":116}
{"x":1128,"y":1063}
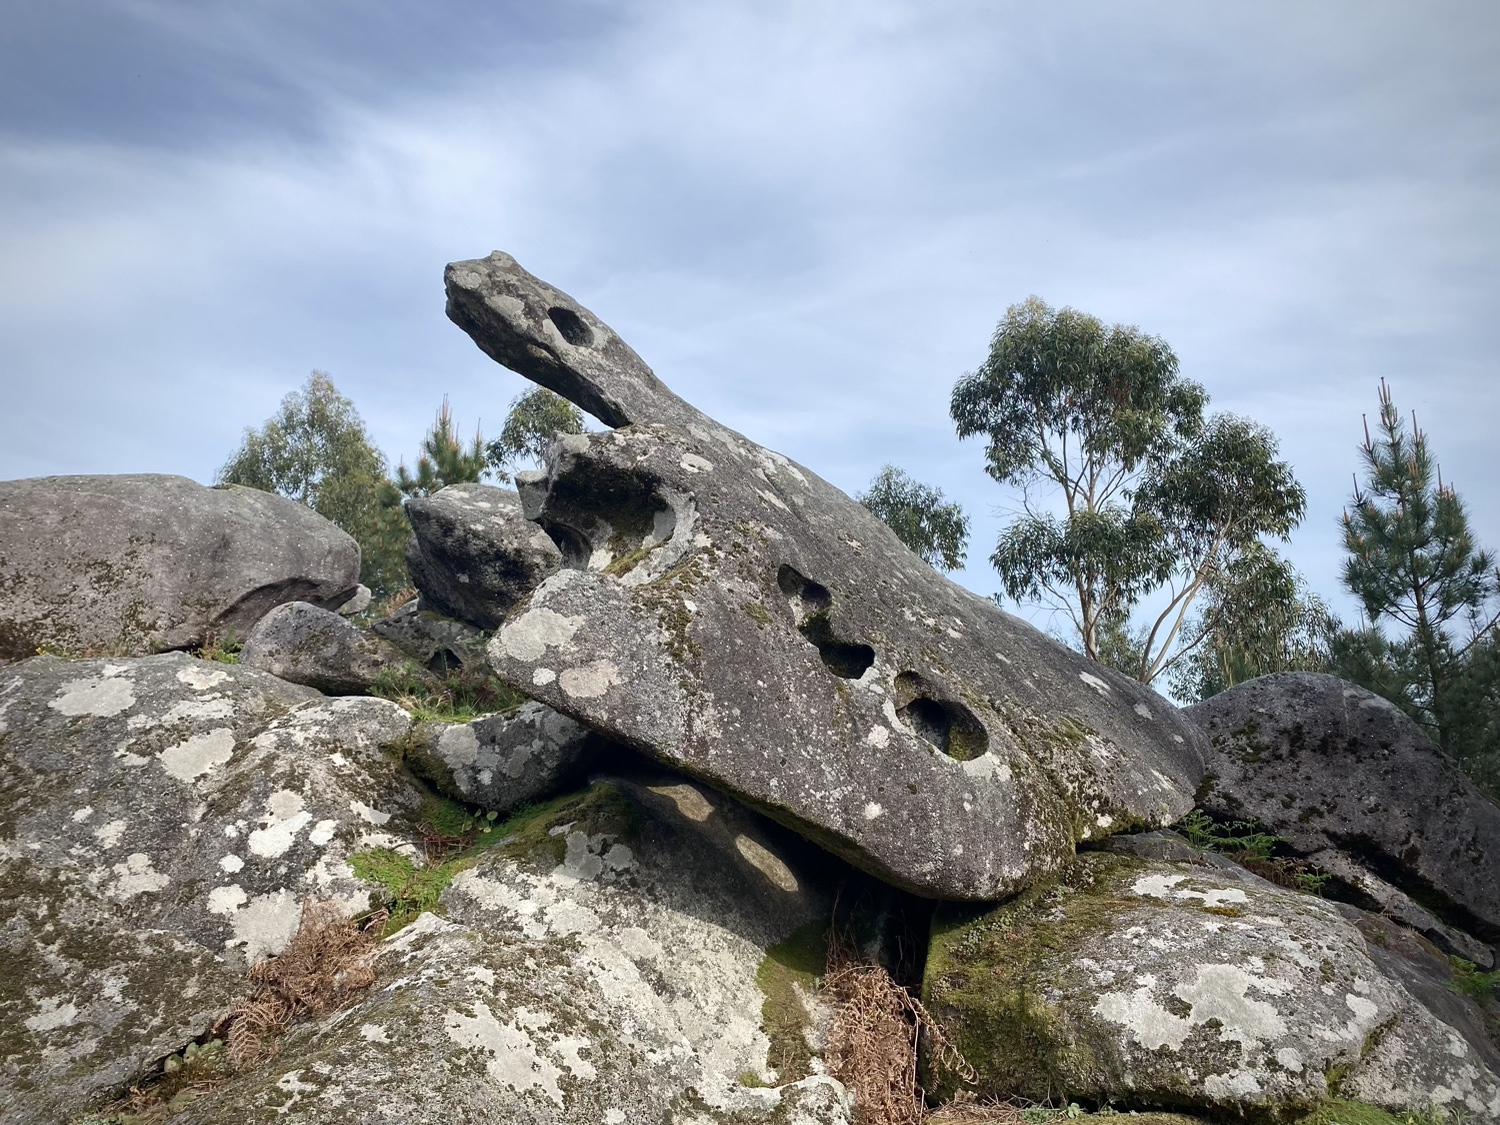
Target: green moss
{"x":983,"y":982}
{"x":1355,"y":1113}
{"x":757,"y":613}
{"x":601,"y":810}
{"x":795,"y":963}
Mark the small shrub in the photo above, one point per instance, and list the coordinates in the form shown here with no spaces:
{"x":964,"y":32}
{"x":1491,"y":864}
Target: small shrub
{"x":458,"y":696}
{"x":1245,"y":842}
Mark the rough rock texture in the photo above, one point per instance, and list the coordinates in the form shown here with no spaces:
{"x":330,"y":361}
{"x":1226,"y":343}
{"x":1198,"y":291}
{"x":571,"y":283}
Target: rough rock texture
{"x":319,"y":648}
{"x":502,"y":761}
{"x":162,"y":819}
{"x":134,"y":564}
{"x":358,"y":603}
{"x":600,"y":965}
{"x":918,"y":731}
{"x":1164,"y":983}
{"x":436,"y":642}
{"x":1333,"y":768}
{"x":473,"y":555}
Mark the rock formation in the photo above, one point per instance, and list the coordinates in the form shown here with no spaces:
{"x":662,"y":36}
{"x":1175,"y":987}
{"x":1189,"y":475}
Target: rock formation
{"x":303,"y":644}
{"x":472,"y":554}
{"x":920,"y":732}
{"x":1353,"y":784}
{"x":134,"y":564}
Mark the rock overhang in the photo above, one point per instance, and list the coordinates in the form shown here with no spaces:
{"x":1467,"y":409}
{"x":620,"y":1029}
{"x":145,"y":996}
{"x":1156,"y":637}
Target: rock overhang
{"x":919,"y":732}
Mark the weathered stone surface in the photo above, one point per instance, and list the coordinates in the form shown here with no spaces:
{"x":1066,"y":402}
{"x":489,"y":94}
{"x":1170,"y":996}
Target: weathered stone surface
{"x":473,"y":555}
{"x":1200,"y":986}
{"x":1335,"y":769}
{"x":918,"y":731}
{"x":436,"y":642}
{"x":599,"y":966}
{"x":139,"y":563}
{"x":162,"y":820}
{"x":319,"y":648}
{"x":501,"y":761}
{"x":358,"y":603}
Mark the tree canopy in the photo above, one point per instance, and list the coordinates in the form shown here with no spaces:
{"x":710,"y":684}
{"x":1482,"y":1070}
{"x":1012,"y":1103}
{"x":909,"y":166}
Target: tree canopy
{"x":937,"y":530}
{"x":1126,"y":488}
{"x":443,"y":460}
{"x":1413,"y":563}
{"x":315,"y":450}
{"x":534,"y":420}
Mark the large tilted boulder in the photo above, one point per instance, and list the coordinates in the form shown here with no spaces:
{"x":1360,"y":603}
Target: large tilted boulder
{"x":1202,"y":986}
{"x":319,"y":648}
{"x":501,"y":761}
{"x":1355,"y":785}
{"x":124,"y":565}
{"x":741,"y":619}
{"x":162,"y":821}
{"x":473,"y":555}
{"x":609,"y":961}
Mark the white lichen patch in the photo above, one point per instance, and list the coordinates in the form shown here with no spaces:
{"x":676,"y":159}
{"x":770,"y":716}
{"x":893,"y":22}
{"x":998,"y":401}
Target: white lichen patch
{"x":535,"y":631}
{"x":199,"y":755}
{"x":97,"y":697}
{"x":226,"y":901}
{"x":1095,"y":682}
{"x":512,"y":1056}
{"x":285,"y":816}
{"x":136,"y":876}
{"x":369,"y":815}
{"x":590,"y":681}
{"x":201,"y":679}
{"x":52,"y":1013}
{"x":109,"y":834}
{"x":265,"y":924}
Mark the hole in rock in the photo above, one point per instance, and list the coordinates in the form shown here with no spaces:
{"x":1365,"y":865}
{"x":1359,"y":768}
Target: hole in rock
{"x":811,"y":602}
{"x":443,"y":661}
{"x":946,"y":723}
{"x":571,"y":325}
{"x":605,"y":507}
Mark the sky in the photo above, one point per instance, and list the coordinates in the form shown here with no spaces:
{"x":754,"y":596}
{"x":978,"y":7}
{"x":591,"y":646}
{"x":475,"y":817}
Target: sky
{"x":806,"y":215}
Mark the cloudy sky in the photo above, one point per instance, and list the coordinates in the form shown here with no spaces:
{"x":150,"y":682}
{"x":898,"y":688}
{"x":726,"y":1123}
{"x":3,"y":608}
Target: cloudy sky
{"x":806,"y":215}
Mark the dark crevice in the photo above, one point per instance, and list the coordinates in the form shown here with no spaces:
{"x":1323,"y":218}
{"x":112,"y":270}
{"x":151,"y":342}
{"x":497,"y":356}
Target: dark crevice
{"x":812,"y":602}
{"x":946,"y":723}
{"x":572,"y":327}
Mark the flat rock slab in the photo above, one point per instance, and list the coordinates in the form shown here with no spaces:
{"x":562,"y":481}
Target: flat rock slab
{"x":125,"y":565}
{"x":599,"y":965}
{"x":734,"y":615}
{"x":1180,"y":984}
{"x":473,"y":555}
{"x":1332,"y":767}
{"x":500,"y":762}
{"x":318,"y":648}
{"x":162,"y":821}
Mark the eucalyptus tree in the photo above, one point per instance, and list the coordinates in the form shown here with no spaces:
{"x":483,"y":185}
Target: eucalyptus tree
{"x":934,"y":528}
{"x":1126,"y":489}
{"x":534,"y":420}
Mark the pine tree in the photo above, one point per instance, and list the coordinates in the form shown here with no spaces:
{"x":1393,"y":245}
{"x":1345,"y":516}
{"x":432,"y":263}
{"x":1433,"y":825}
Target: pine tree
{"x":1416,"y":568}
{"x":444,"y":460}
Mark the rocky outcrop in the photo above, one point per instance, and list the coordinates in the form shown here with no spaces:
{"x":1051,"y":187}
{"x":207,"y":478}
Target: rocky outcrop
{"x":606,"y":962}
{"x":502,"y":761}
{"x":472,"y":554}
{"x":919,"y":732}
{"x":133,"y":564}
{"x":1350,"y":781}
{"x":319,"y":648}
{"x":162,"y":821}
{"x":1196,"y":985}
{"x":435,"y":642}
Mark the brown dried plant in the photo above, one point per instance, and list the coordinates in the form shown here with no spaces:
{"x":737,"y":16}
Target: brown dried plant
{"x":874,"y":1041}
{"x":323,"y":968}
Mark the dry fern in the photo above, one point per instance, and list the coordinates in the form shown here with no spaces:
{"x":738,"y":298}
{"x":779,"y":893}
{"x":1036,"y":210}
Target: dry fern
{"x":325,"y":965}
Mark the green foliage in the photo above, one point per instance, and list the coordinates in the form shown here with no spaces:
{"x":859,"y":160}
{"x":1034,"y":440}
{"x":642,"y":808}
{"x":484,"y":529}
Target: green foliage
{"x":936,"y":531}
{"x":457,"y":696}
{"x":1152,"y":495}
{"x":793,"y":964}
{"x":1417,"y":570}
{"x":315,"y":450}
{"x":444,"y":460}
{"x":1469,"y":981}
{"x":1248,"y":844}
{"x":222,"y":649}
{"x":1258,"y":617}
{"x":535,"y":419}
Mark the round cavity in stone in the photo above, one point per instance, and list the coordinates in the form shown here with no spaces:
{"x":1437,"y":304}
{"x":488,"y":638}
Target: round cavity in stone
{"x":571,"y":325}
